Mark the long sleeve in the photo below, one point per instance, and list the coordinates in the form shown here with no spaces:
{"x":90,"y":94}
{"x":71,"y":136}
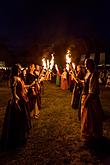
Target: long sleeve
{"x":94,"y":84}
{"x":13,"y":88}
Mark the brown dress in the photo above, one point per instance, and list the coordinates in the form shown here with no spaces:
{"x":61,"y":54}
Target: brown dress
{"x":91,"y":111}
{"x":64,"y":82}
{"x":16,"y":124}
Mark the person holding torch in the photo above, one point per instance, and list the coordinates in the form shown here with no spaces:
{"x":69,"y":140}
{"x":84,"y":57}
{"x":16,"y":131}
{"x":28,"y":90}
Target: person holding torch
{"x":91,"y":108}
{"x":58,"y":75}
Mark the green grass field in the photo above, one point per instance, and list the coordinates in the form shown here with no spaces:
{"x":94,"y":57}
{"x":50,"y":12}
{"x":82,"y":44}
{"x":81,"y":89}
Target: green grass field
{"x":55,"y":135}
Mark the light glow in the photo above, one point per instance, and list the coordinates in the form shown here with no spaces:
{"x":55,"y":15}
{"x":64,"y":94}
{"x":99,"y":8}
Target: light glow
{"x":73,"y":65}
{"x":68,"y":59}
{"x":52,"y":62}
{"x":44,"y":63}
{"x":56,"y":67}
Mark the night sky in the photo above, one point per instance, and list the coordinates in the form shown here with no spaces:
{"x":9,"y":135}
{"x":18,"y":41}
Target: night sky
{"x":25,"y":22}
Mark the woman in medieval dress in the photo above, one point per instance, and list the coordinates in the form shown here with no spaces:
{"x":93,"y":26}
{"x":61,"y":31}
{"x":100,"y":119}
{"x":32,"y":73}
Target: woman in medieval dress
{"x":91,"y":109}
{"x":17,"y":123}
{"x":77,"y":90}
{"x":33,"y":92}
{"x":64,"y":82}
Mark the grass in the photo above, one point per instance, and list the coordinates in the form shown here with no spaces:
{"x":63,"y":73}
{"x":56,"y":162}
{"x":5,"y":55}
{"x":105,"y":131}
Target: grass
{"x":55,"y":136}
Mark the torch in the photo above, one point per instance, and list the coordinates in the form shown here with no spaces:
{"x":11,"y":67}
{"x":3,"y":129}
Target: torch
{"x":68,"y":59}
{"x":44,"y":63}
{"x":52,"y":62}
{"x":56,"y":67}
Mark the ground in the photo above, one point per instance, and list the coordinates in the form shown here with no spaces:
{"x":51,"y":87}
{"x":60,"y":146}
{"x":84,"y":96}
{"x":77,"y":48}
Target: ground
{"x":55,"y":135}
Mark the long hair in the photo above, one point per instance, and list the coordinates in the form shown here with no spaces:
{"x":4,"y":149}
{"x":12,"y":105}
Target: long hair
{"x":90,"y":65}
{"x":15,"y":70}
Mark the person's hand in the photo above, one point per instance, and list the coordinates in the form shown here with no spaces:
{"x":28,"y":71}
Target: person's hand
{"x":26,"y":86}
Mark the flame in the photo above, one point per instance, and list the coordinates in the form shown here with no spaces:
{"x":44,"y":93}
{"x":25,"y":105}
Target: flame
{"x":68,"y":59}
{"x":52,"y":62}
{"x":44,"y":63}
{"x":48,"y":64}
{"x":67,"y":67}
{"x":56,"y":67}
{"x":73,"y":65}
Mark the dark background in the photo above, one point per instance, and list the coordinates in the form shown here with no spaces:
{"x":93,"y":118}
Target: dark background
{"x":31,"y":28}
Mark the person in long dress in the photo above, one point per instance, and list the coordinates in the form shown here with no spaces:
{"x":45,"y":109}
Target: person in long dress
{"x":17,"y":123}
{"x":91,"y":108}
{"x":58,"y":77}
{"x":71,"y":80}
{"x":64,"y":81}
{"x":77,"y":90}
{"x":31,"y":80}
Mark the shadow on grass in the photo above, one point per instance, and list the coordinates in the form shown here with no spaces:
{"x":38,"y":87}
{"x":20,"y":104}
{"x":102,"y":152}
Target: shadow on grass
{"x":100,"y":148}
{"x":106,"y":116}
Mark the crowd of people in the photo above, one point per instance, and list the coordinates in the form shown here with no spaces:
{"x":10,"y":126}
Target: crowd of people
{"x":104,"y":76}
{"x":25,"y":103}
{"x":84,"y":84}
